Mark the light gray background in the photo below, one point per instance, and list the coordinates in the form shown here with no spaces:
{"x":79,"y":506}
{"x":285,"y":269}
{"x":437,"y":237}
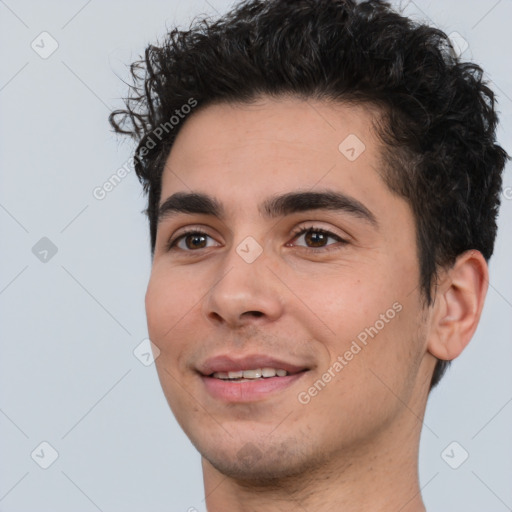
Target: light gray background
{"x":68,"y":375}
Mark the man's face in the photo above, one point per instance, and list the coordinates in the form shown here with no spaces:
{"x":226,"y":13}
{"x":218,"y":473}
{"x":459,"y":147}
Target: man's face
{"x":250,"y":285}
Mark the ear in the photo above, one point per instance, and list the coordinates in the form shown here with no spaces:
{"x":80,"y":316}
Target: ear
{"x":458,"y":304}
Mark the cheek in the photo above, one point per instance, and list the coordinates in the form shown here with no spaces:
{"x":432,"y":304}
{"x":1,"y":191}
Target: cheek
{"x":379,"y":360}
{"x":156,"y":303}
{"x":374,"y":308}
{"x":167,"y":310}
{"x":167,"y":301}
{"x":347,"y":300}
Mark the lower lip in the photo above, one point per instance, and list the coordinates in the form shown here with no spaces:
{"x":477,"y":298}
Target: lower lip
{"x":233,"y":391}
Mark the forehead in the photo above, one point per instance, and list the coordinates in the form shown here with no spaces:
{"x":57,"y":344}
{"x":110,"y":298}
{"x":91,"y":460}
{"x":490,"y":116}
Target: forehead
{"x":241,"y":153}
{"x":286,"y":127}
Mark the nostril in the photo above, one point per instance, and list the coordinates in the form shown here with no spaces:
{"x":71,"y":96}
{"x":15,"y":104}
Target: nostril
{"x":254,"y":313}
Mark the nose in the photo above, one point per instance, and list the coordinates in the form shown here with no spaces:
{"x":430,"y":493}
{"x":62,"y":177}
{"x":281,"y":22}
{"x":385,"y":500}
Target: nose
{"x":244,"y":293}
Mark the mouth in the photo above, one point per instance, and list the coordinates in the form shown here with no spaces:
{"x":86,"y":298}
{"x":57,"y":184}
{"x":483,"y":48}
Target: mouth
{"x":251,"y":375}
{"x":248,"y":379}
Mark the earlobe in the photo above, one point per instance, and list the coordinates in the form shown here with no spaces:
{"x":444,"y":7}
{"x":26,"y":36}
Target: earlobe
{"x":458,"y":305}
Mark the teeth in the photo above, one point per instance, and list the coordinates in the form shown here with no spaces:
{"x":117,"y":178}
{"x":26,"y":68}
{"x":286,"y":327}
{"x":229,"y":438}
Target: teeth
{"x":251,"y":374}
{"x":269,"y":372}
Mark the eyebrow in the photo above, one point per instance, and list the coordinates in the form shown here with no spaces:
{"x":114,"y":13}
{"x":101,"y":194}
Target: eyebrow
{"x":273,"y":207}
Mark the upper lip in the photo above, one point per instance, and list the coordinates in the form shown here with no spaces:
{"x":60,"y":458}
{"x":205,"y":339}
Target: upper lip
{"x":231,"y":363}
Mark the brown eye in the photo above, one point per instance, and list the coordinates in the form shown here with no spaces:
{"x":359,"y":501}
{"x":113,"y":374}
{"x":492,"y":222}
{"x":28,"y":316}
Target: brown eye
{"x":195,"y":241}
{"x":317,"y":238}
{"x":190,"y":241}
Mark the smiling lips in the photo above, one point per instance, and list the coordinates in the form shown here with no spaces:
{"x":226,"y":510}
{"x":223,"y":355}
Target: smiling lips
{"x":229,"y":363}
{"x":258,"y":373}
{"x":249,"y":378}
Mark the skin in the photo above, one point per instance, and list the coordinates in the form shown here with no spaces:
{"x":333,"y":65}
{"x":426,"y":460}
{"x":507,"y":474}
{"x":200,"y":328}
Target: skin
{"x":354,"y":445}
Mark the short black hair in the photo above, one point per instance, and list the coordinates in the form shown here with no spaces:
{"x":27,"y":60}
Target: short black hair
{"x":438,"y":114}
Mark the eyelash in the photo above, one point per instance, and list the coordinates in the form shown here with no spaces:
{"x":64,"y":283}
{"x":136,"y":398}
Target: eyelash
{"x":171,"y":245}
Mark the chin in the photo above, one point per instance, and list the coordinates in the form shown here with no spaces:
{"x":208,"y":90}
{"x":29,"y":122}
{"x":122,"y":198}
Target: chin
{"x":261,"y":463}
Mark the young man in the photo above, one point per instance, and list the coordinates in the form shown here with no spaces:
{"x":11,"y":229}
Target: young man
{"x":323,"y":184}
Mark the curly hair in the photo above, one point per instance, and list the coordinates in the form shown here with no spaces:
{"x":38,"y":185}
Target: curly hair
{"x":438,"y":118}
